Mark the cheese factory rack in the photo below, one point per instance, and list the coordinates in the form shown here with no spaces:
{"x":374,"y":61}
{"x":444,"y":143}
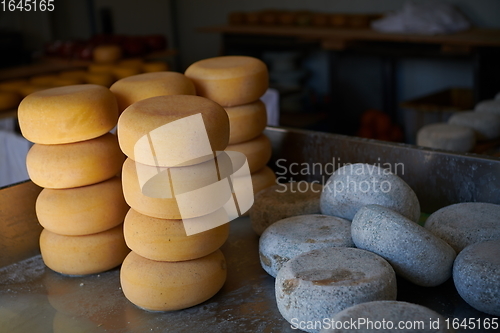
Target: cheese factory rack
{"x":35,"y":299}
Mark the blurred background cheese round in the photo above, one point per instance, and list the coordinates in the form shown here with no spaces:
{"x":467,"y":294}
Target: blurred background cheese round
{"x":263,"y":179}
{"x":447,"y":136}
{"x":13,"y":85}
{"x":106,"y":54}
{"x":176,"y":126}
{"x":73,"y":74}
{"x":230,"y":80}
{"x":246,"y":121}
{"x":258,"y":151}
{"x":485,"y":125}
{"x":284,"y":200}
{"x":81,"y":255}
{"x":75,"y":164}
{"x":67,"y":114}
{"x":290,"y":237}
{"x":122,"y":71}
{"x":64,"y":81}
{"x":138,"y":87}
{"x":489,"y":106}
{"x":166,"y":240}
{"x":29,"y":89}
{"x":82,"y":210}
{"x":100,"y":68}
{"x":101,"y":79}
{"x":167,"y":286}
{"x":155,"y":66}
{"x":43,"y":80}
{"x":320,"y":283}
{"x":9,"y":100}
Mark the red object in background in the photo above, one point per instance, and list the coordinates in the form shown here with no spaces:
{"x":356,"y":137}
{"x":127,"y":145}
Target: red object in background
{"x":376,"y":124}
{"x":155,"y":42}
{"x":52,"y":48}
{"x":134,"y":46}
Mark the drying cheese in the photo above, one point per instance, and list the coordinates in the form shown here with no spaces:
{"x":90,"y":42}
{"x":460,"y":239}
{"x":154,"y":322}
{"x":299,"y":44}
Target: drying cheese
{"x":485,"y":125}
{"x":81,"y":255}
{"x":168,"y":286}
{"x":101,"y":79}
{"x":83,"y":210}
{"x":246,"y":121}
{"x":155,"y":66}
{"x":121,"y":71}
{"x":446,"y":136}
{"x":138,"y":87}
{"x":106,"y":54}
{"x":166,"y":240}
{"x":263,"y":179}
{"x":75,"y":164}
{"x":67,"y":114}
{"x":180,"y":129}
{"x":230,"y":80}
{"x":258,"y":151}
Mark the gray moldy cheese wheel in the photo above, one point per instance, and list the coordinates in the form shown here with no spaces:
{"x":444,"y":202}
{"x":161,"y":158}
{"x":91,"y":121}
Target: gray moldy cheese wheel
{"x":287,"y":238}
{"x":485,"y":125}
{"x":489,"y":106}
{"x":281,"y":201}
{"x":246,"y":121}
{"x":414,"y":252}
{"x":166,"y":240}
{"x":229,"y":80}
{"x":167,"y":286}
{"x":476,"y":274}
{"x":67,"y":114}
{"x":263,"y":179}
{"x":170,"y":130}
{"x":447,"y":136}
{"x":138,"y":87}
{"x":82,"y":210}
{"x":466,"y":223}
{"x":318,"y":284}
{"x":82,"y":255}
{"x":384,"y":316}
{"x":75,"y":164}
{"x":355,"y":185}
{"x":258,"y":151}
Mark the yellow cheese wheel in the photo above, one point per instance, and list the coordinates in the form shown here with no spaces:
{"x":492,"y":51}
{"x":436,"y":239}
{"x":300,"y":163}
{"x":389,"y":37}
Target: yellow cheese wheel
{"x":43,"y":80}
{"x":63,"y":81}
{"x":230,"y":80}
{"x":101,"y":68}
{"x":29,"y":89}
{"x":121,"y":71}
{"x":258,"y":152}
{"x":155,"y":66}
{"x":68,"y":114}
{"x":74,"y":164}
{"x":81,"y":255}
{"x":166,"y":240}
{"x":131,"y":62}
{"x":101,"y":79}
{"x":9,"y":100}
{"x":73,"y":74}
{"x":82,"y":210}
{"x":13,"y":85}
{"x":246,"y":121}
{"x":142,"y":86}
{"x":151,"y":122}
{"x":168,"y":286}
{"x":263,"y":179}
{"x":106,"y":54}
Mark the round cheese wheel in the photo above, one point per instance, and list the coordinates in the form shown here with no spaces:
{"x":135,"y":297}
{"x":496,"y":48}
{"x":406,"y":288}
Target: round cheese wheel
{"x":29,"y":89}
{"x":13,"y":85}
{"x":106,"y":54}
{"x":75,"y":164}
{"x":447,"y":136}
{"x":263,"y":179}
{"x":152,"y":120}
{"x":489,"y":106}
{"x":81,"y":255}
{"x":230,"y":80}
{"x":166,"y":240}
{"x":121,"y":72}
{"x":100,"y":68}
{"x":9,"y":100}
{"x":73,"y":74}
{"x":320,"y":283}
{"x":67,"y":114}
{"x":43,"y":80}
{"x":131,"y":62}
{"x":485,"y":125}
{"x":258,"y":152}
{"x":246,"y":121}
{"x":82,"y":210}
{"x":167,"y":286}
{"x":61,"y":81}
{"x":284,"y":200}
{"x":138,"y":87}
{"x":155,"y":66}
{"x":101,"y":79}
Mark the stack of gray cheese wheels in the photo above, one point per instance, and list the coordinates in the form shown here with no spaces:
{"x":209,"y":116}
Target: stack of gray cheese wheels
{"x":463,"y":129}
{"x":169,"y":269}
{"x":237,"y":83}
{"x":77,"y":161}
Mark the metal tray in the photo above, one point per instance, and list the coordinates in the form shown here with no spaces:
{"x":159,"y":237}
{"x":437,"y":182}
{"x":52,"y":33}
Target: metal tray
{"x":35,"y":299}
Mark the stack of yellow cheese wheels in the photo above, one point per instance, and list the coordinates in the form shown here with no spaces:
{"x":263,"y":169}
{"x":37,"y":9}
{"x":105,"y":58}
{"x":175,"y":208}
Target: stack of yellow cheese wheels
{"x":77,"y":162}
{"x":170,"y":142}
{"x":237,"y":83}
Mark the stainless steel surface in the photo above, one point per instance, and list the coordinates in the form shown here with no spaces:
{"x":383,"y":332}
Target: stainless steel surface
{"x":35,"y":299}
